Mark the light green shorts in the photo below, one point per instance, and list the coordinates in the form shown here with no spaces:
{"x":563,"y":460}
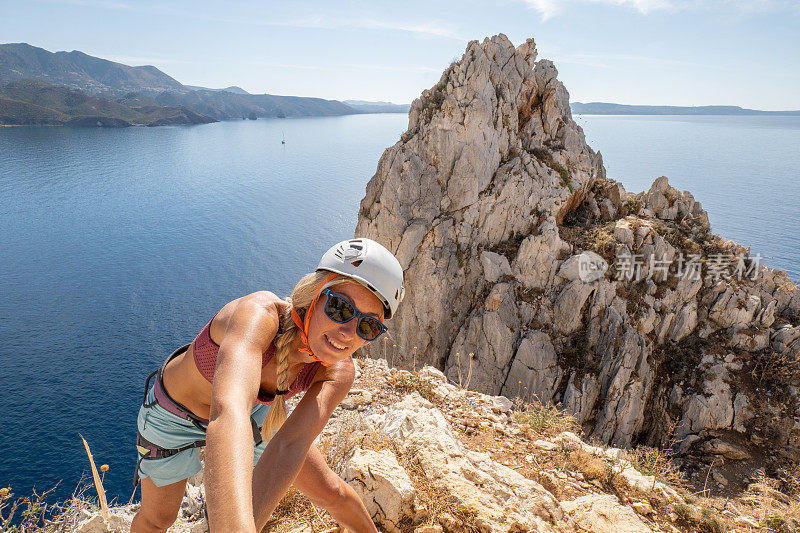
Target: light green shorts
{"x":168,"y":430}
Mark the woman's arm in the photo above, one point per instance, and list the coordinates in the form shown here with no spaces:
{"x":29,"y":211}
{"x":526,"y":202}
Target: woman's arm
{"x":327,"y":490}
{"x":229,"y":438}
{"x":286,"y":452}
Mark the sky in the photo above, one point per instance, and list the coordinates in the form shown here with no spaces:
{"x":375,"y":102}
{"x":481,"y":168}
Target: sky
{"x":645,"y":52}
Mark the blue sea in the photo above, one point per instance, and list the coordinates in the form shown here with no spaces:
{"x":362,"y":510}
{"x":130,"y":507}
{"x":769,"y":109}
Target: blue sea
{"x":119,"y":245}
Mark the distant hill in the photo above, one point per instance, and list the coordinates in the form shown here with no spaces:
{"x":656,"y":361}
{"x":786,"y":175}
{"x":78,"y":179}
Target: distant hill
{"x":80,"y":71}
{"x":232,"y":89}
{"x":145,"y":88}
{"x":224,"y":105}
{"x":602,"y":108}
{"x":377,"y":107}
{"x":34,"y":102}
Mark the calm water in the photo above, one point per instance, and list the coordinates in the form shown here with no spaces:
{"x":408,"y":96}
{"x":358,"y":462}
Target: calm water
{"x":119,"y":245}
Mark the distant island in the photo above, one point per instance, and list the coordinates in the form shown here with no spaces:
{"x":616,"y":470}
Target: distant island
{"x":232,"y":89}
{"x":378,"y":107}
{"x":602,"y":108}
{"x":38,"y":87}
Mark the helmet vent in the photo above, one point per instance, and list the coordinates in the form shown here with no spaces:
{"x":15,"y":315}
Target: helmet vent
{"x":356,"y":263}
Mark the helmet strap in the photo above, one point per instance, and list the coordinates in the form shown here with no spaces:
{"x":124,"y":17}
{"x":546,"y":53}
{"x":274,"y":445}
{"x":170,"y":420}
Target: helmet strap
{"x":303,"y":326}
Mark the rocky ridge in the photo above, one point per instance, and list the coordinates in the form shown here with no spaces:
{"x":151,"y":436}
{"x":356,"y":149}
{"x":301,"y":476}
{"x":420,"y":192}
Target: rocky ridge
{"x":525,"y":263}
{"x":428,"y":456}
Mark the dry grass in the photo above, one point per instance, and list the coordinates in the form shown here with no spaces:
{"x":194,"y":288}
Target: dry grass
{"x":409,"y":384}
{"x":98,"y":484}
{"x":775,"y":368}
{"x":701,"y":519}
{"x":774,"y":510}
{"x":597,"y":238}
{"x":788,"y":479}
{"x":67,"y":515}
{"x":30,"y":511}
{"x":591,"y":466}
{"x":34,"y":515}
{"x":294,"y":510}
{"x":656,"y":462}
{"x":543,"y":419}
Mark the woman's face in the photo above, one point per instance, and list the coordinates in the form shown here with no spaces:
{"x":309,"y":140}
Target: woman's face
{"x":330,"y":341}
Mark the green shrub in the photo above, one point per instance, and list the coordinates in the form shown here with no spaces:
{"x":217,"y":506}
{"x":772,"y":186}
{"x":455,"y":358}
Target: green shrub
{"x":566,"y":180}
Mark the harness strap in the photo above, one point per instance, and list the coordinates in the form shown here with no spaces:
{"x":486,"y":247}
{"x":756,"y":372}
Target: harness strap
{"x":167,"y":402}
{"x":148,"y":450}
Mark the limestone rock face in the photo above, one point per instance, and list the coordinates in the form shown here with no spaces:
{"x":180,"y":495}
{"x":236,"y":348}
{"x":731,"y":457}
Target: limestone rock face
{"x":498,"y":495}
{"x":516,"y":248}
{"x":382,"y":485}
{"x":467,"y":462}
{"x":535,"y":368}
{"x":491,"y":154}
{"x":604,"y":514}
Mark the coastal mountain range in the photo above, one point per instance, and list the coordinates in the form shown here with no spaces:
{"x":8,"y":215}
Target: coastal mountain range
{"x":77,"y":70}
{"x":38,"y":87}
{"x":33,"y":102}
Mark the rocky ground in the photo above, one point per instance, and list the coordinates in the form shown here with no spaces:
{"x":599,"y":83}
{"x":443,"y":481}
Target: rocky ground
{"x":428,"y":456}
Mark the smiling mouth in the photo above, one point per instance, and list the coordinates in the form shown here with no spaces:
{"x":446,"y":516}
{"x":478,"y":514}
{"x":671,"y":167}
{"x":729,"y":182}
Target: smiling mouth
{"x":335,"y":345}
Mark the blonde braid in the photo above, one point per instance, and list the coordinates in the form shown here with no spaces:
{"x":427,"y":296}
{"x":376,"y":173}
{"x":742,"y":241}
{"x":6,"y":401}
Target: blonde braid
{"x":277,"y":412}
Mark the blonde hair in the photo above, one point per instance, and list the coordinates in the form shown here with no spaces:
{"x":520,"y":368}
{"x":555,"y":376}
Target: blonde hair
{"x":302,"y":296}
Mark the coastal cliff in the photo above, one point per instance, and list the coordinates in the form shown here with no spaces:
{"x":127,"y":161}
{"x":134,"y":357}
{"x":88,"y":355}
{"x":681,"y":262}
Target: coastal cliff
{"x":558,"y":285}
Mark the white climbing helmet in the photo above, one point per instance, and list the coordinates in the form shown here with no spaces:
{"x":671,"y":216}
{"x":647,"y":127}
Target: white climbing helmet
{"x":370,"y":264}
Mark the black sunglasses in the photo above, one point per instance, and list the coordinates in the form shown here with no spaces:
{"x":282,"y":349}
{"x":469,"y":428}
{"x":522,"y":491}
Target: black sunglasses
{"x":341,"y":310}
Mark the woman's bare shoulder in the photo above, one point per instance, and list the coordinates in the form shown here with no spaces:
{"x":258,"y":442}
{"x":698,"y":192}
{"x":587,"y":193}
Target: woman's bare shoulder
{"x":256,"y":309}
{"x":259,"y":298}
{"x":265,"y":298}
